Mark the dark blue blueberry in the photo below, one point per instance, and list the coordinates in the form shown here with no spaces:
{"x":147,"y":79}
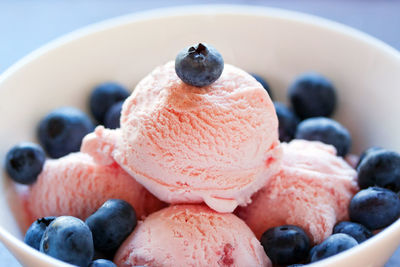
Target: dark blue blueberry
{"x":199,"y":65}
{"x":357,"y":231}
{"x":24,"y":162}
{"x":367,"y":152}
{"x":263,"y":83}
{"x":111,"y":224}
{"x":102,"y":263}
{"x":287,"y":244}
{"x":380,"y":168}
{"x":113,"y":115}
{"x":68,"y":239}
{"x":36,"y":230}
{"x":312,"y":95}
{"x":104,"y":96}
{"x":288,"y":122}
{"x":331,"y":246}
{"x":62,"y":130}
{"x":375,"y":207}
{"x":327,"y":131}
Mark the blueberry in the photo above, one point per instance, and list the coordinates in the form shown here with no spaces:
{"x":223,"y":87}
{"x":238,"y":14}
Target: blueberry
{"x":367,"y":152}
{"x":263,"y":83}
{"x":359,"y":232}
{"x":333,"y":245}
{"x":102,"y":263}
{"x":287,"y":244}
{"x":327,"y":131}
{"x":62,"y":130}
{"x":24,"y":162}
{"x":199,"y":65}
{"x":287,"y":122}
{"x":380,"y":168}
{"x":36,"y":230}
{"x":104,"y":96}
{"x":312,"y":95}
{"x":111,"y":224}
{"x":375,"y":207}
{"x":113,"y":115}
{"x":68,"y":239}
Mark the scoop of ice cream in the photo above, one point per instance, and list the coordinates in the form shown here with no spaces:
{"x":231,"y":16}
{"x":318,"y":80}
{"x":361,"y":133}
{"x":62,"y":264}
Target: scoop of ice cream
{"x":218,"y":144}
{"x":191,"y":235}
{"x":312,"y":190}
{"x":75,"y":185}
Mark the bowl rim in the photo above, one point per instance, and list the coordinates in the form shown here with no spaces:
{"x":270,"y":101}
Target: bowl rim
{"x":199,"y":10}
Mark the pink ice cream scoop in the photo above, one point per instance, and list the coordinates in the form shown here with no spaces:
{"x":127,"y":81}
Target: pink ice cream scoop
{"x":75,"y":185}
{"x":218,"y":144}
{"x":313,"y":190}
{"x":191,"y":235}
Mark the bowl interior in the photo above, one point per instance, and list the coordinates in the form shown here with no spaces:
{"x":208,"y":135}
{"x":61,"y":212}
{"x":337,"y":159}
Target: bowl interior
{"x":276,"y":44}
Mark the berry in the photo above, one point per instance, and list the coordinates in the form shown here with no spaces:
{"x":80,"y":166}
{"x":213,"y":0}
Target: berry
{"x":111,"y":224}
{"x":113,"y":115}
{"x":263,"y":83}
{"x":62,"y":130}
{"x":312,"y":95}
{"x":24,"y":162}
{"x":333,"y":245}
{"x":287,"y":244}
{"x":36,"y":230}
{"x":104,"y":96}
{"x":102,"y":263}
{"x":327,"y":131}
{"x":357,"y":231}
{"x":199,"y":65}
{"x":68,"y":239}
{"x":380,"y":168}
{"x":375,"y":207}
{"x":367,"y":152}
{"x":287,"y":122}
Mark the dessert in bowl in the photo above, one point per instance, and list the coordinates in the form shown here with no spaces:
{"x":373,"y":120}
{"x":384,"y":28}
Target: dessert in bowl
{"x":126,"y":49}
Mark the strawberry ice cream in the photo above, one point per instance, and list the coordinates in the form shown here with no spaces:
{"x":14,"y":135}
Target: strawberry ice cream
{"x":75,"y":185}
{"x":191,"y":235}
{"x":312,"y":190}
{"x":218,"y":144}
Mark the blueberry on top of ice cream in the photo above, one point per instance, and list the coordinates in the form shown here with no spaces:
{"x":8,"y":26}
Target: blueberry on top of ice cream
{"x":199,"y":65}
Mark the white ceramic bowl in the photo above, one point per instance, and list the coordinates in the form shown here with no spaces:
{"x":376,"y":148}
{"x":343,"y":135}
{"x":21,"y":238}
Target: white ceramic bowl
{"x":274,"y":43}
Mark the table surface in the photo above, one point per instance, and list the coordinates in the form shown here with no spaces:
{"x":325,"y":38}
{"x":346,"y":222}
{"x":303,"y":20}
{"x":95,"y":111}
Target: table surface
{"x":25,"y":25}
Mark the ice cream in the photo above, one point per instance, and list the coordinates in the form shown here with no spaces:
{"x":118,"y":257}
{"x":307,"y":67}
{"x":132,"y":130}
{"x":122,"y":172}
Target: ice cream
{"x":191,"y":235}
{"x":218,"y":144}
{"x":312,"y":190}
{"x":75,"y":185}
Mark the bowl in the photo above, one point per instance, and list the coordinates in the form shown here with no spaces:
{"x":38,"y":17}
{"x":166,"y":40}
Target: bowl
{"x":275,"y":43}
